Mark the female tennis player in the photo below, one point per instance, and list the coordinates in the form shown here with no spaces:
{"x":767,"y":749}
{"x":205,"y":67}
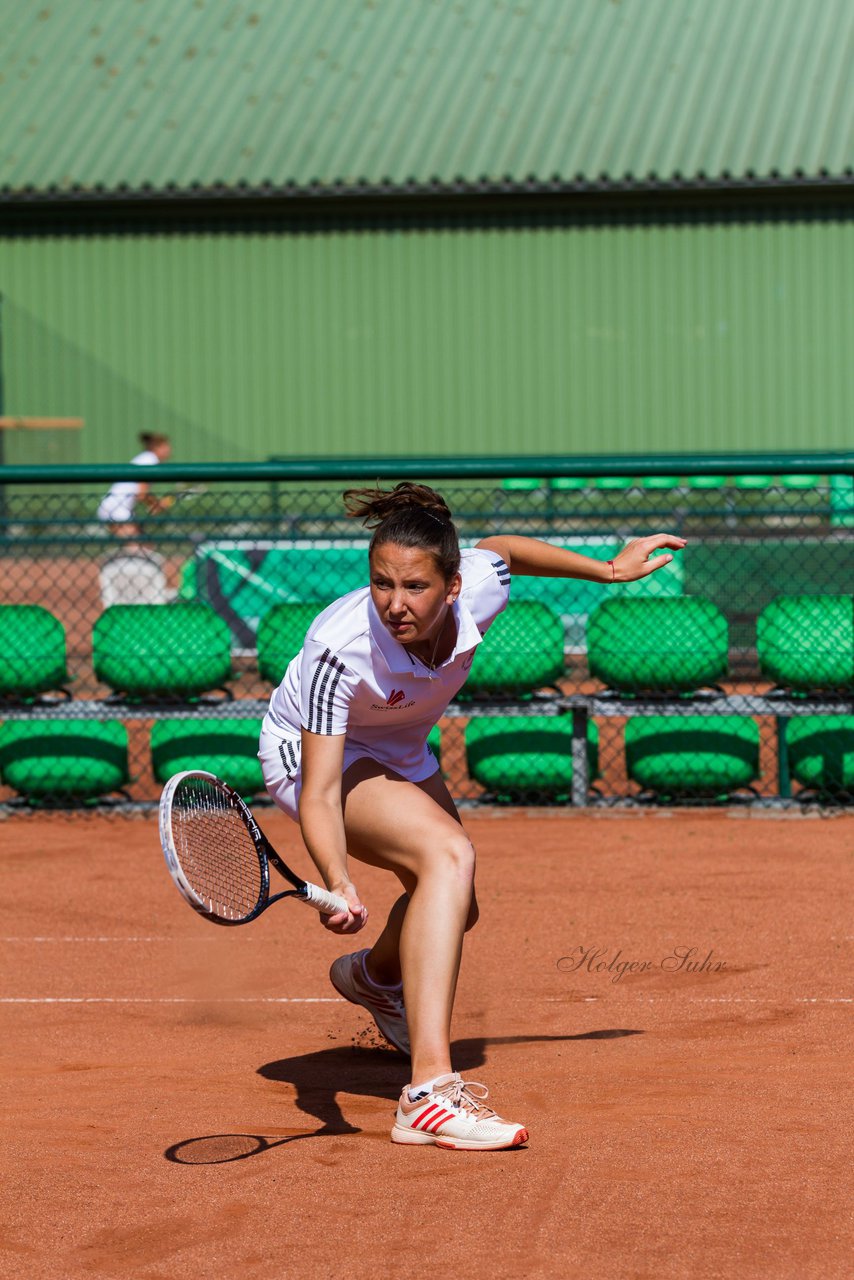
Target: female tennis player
{"x":344,"y":752}
{"x":117,"y":508}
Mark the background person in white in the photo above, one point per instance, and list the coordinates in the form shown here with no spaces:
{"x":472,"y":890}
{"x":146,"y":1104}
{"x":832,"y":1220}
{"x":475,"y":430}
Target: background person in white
{"x":343,"y":749}
{"x":117,"y":508}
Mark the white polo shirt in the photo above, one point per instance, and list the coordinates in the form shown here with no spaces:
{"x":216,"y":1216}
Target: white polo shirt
{"x":352,"y":677}
{"x":117,"y":506}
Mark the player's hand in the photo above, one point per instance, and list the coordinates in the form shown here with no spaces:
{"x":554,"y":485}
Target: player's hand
{"x":355,"y":917}
{"x":638,"y":558}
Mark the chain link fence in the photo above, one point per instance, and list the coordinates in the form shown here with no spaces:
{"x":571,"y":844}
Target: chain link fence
{"x":130,"y":654}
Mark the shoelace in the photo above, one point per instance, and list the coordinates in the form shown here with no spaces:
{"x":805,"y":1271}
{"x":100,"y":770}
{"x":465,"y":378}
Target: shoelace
{"x":468,"y":1095}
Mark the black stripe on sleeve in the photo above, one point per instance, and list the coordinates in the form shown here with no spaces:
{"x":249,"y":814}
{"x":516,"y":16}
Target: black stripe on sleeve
{"x":502,"y":571}
{"x":330,"y":702}
{"x":317,"y":669}
{"x":321,"y":694}
{"x":321,"y":700}
{"x":324,"y":697}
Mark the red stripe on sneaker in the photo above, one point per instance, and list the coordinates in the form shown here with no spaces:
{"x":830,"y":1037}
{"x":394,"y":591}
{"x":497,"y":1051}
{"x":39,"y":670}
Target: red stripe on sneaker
{"x":428,"y":1111}
{"x":437,"y":1120}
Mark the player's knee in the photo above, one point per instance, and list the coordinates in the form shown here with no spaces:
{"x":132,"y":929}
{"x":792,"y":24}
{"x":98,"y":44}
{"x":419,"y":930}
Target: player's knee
{"x":456,"y":857}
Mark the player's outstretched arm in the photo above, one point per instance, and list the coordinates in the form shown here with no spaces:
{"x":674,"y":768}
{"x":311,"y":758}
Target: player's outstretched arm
{"x":322,"y":824}
{"x":532,"y":558}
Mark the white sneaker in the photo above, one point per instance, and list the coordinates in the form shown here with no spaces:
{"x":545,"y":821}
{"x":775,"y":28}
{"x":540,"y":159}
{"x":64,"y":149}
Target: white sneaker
{"x":384,"y":1004}
{"x":453,"y":1115}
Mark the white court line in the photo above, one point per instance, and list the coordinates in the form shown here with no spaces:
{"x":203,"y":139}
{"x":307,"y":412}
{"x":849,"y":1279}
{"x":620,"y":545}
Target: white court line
{"x":725,"y":999}
{"x":762,"y":999}
{"x":338,"y":1000}
{"x":774,"y":1000}
{"x":171,"y":1000}
{"x":149,"y":938}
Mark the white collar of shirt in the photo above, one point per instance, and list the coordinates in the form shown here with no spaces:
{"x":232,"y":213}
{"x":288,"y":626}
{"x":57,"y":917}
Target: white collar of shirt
{"x":399,"y":661}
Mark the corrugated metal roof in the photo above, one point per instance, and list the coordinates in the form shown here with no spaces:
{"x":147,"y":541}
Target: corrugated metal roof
{"x":370,"y":93}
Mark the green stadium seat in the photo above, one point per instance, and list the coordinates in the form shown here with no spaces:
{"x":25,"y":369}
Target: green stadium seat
{"x":821,"y":754}
{"x":801,"y":481}
{"x":706,"y":482}
{"x":754,"y":482}
{"x":560,"y":483}
{"x":32,"y":660}
{"x":524,"y":483}
{"x":615,"y":482}
{"x":178,"y":650}
{"x":65,"y":760}
{"x":281,"y":633}
{"x":227,"y":747}
{"x":674,"y":645}
{"x":842,"y":501}
{"x":806,"y":643}
{"x":685,"y":756}
{"x":521,"y":653}
{"x":523,"y":758}
{"x":661,"y":482}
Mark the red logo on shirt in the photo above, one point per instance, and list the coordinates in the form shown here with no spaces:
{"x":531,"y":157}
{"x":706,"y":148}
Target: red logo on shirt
{"x":396,"y":696}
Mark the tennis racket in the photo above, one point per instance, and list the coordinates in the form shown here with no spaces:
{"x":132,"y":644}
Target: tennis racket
{"x":189,"y":491}
{"x":220,"y":858}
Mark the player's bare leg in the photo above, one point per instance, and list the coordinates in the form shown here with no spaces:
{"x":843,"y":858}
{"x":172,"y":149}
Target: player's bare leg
{"x":382,"y":962}
{"x":414,"y":830}
{"x":410,"y":830}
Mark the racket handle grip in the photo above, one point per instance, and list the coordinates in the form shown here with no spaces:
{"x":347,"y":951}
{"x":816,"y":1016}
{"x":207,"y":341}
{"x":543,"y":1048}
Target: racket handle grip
{"x":322,"y":900}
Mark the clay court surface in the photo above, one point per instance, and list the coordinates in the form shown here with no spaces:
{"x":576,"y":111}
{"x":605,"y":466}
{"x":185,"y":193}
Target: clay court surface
{"x":683,"y":1124}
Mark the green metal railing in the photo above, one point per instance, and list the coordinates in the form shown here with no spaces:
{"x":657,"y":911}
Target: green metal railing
{"x":456,"y":468}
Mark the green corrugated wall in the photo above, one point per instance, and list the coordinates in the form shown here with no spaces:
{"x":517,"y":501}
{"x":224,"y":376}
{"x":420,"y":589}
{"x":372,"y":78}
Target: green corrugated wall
{"x":534,"y":341}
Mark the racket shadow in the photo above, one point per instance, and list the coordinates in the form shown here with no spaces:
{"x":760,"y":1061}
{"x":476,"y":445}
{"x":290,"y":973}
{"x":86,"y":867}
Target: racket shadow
{"x":368,"y":1072}
{"x":225,"y":1148}
{"x":378,"y":1073}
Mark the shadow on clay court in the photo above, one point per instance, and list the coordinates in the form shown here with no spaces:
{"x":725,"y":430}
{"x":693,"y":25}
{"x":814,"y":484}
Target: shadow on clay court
{"x":381,"y":1073}
{"x":320,"y":1077}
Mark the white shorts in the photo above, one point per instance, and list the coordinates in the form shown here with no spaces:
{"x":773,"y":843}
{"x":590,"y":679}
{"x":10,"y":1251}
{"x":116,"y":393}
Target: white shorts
{"x":281,"y":766}
{"x":117,"y":509}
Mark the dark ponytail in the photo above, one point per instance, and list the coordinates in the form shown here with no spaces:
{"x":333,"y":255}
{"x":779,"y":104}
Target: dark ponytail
{"x":410,"y":515}
{"x":150,"y":439}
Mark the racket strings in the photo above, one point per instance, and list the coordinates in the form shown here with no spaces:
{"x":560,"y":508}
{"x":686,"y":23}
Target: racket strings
{"x":216,"y":852}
